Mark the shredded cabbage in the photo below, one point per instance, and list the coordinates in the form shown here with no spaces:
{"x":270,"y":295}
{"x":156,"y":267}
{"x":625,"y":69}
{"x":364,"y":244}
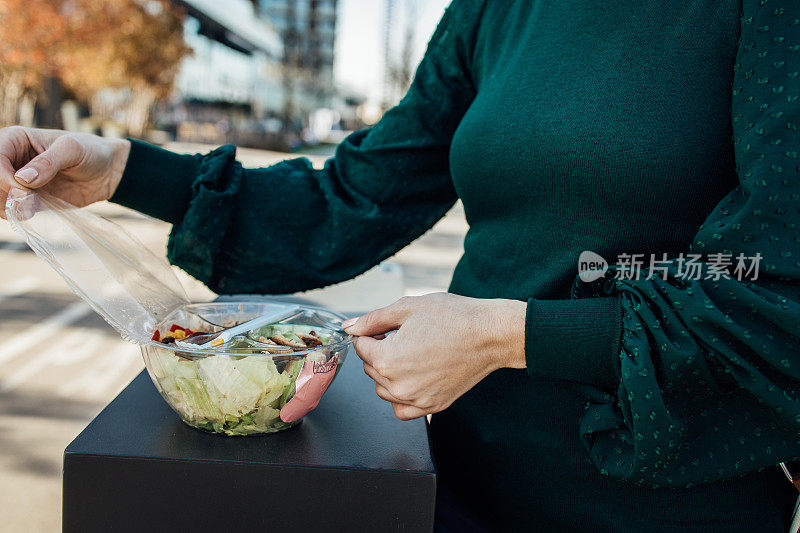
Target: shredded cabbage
{"x":231,"y":395}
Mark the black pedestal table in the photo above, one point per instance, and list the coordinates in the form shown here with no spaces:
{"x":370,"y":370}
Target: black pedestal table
{"x":349,"y":466}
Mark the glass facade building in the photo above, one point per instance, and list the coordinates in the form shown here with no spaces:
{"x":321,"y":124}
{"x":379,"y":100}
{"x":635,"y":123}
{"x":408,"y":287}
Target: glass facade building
{"x":308,"y":31}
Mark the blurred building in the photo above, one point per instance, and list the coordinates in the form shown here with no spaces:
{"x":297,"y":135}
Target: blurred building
{"x":308,"y":32}
{"x":228,"y":90}
{"x":236,"y":55}
{"x":261,"y":74}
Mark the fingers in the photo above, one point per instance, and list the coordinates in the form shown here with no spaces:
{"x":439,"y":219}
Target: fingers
{"x":407,"y":412}
{"x":384,"y":394}
{"x":18,"y":146}
{"x":368,"y":349}
{"x":65,"y":153}
{"x":8,"y":153}
{"x":6,"y":183}
{"x":376,"y":377}
{"x":391,"y":391}
{"x":402,"y":410}
{"x":401,"y":407}
{"x":380,"y":353}
{"x":381,"y":320}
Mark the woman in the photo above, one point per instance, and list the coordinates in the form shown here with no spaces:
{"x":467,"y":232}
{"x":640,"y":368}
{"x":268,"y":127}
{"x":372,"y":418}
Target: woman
{"x":655,"y":402}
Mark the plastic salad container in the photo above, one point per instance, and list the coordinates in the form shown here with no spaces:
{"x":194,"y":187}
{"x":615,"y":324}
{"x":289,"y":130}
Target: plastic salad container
{"x":260,"y":381}
{"x":250,"y":385}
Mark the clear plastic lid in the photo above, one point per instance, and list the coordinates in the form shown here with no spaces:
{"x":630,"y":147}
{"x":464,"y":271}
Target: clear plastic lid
{"x":132,"y":288}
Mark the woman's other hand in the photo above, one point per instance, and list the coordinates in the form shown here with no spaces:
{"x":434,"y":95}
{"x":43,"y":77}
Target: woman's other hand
{"x":444,"y":345}
{"x":76,"y":167}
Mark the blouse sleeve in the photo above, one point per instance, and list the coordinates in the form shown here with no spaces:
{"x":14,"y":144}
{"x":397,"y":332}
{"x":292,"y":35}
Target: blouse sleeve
{"x":290,"y":227}
{"x":701,"y":379}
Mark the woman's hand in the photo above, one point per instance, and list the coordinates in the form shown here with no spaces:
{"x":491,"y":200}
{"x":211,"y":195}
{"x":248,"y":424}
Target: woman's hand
{"x":444,"y":345}
{"x":76,"y":167}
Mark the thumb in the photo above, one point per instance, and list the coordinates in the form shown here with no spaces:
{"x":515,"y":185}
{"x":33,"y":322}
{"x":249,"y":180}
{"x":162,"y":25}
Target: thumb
{"x":381,"y":320}
{"x":63,"y":154}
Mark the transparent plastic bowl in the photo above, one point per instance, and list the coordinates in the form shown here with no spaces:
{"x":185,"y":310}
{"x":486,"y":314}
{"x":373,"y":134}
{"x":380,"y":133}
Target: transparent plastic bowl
{"x":240,"y":388}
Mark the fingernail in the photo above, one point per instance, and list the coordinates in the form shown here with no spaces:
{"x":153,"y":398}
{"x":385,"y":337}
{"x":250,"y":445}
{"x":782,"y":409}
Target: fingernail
{"x":26,"y":175}
{"x":350,"y":322}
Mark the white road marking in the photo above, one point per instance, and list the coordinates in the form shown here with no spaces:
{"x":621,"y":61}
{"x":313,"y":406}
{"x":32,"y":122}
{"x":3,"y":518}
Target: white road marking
{"x":124,"y":369}
{"x":86,"y":349}
{"x":103,"y":375}
{"x":70,"y":347}
{"x":44,"y":330}
{"x":421,"y":254}
{"x":17,"y":287}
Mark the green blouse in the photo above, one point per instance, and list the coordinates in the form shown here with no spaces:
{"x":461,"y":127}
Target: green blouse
{"x":655,"y":402}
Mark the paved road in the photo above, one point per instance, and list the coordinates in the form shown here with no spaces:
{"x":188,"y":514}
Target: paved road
{"x":60,"y":363}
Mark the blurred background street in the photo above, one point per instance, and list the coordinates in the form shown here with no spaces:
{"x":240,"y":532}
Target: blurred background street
{"x":279,"y":78}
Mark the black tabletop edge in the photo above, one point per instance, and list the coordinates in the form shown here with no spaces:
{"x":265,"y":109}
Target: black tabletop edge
{"x":125,"y":457}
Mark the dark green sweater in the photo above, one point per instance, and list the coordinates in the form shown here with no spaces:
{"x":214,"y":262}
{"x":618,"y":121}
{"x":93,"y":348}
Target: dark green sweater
{"x":617,"y":127}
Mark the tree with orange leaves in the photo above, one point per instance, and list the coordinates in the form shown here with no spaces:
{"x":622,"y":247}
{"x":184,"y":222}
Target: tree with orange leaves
{"x":30,"y":38}
{"x":136,"y":45}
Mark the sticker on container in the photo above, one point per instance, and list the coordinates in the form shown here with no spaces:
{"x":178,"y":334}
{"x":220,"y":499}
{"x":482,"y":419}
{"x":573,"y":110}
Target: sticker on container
{"x":311,"y":384}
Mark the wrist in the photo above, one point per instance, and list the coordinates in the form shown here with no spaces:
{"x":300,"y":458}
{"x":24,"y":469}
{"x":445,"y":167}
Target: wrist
{"x":507,"y":330}
{"x":120,"y":151}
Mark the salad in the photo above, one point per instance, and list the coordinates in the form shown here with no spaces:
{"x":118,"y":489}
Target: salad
{"x":238,"y":395}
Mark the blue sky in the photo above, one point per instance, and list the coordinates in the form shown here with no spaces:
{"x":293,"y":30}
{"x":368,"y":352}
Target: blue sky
{"x":359,"y":41}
